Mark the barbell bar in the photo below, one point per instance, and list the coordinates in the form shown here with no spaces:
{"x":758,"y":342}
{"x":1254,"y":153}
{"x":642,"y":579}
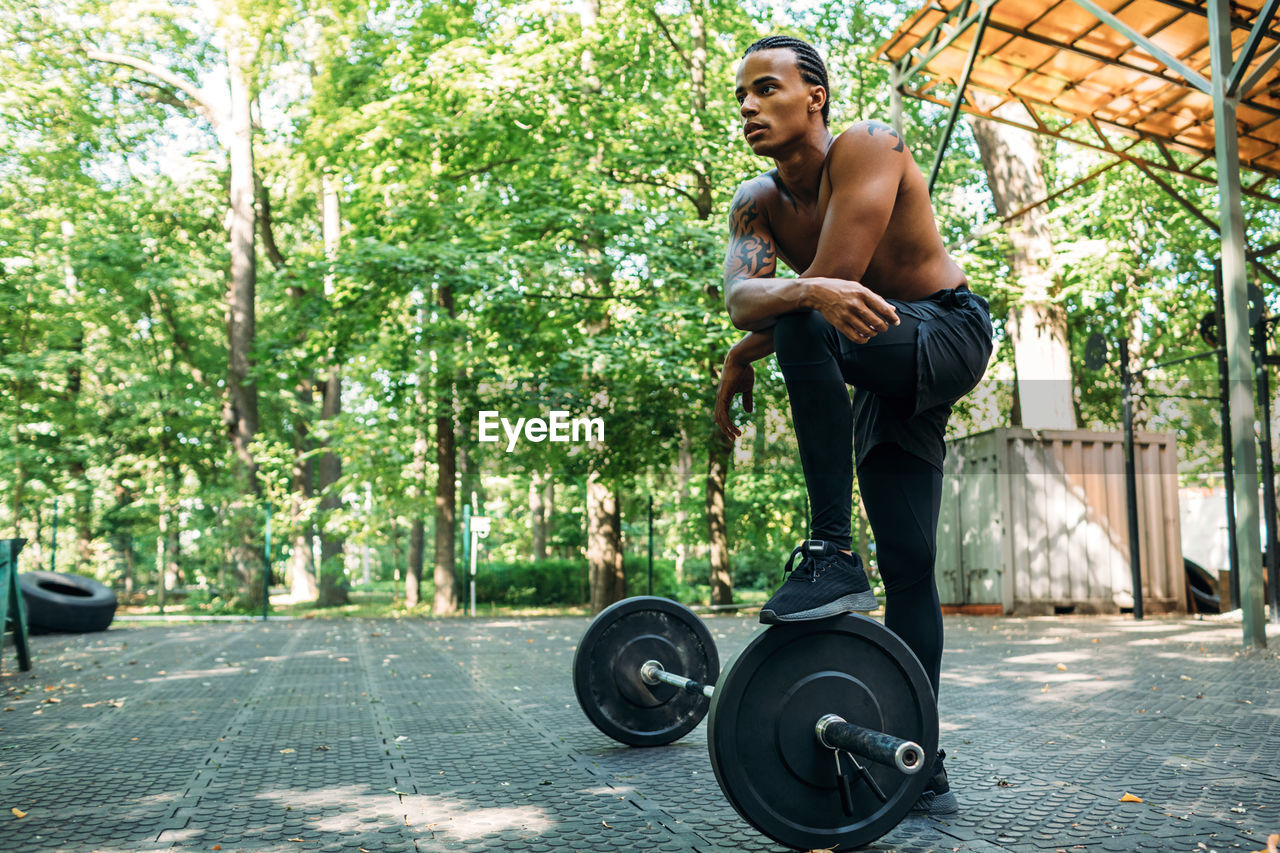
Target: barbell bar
{"x":832,"y":730}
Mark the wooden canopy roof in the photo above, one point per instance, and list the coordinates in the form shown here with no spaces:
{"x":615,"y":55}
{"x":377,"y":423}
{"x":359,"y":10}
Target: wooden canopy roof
{"x":1130,"y":77}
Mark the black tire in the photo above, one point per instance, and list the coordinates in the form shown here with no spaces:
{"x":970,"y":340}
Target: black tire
{"x":1204,"y":592}
{"x":62,"y":603}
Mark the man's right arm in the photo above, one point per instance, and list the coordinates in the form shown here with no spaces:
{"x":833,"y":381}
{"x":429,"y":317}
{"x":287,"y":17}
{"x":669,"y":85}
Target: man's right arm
{"x":753,"y":296}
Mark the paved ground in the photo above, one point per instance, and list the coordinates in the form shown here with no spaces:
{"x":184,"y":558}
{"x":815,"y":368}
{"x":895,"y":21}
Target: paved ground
{"x":457,"y":735}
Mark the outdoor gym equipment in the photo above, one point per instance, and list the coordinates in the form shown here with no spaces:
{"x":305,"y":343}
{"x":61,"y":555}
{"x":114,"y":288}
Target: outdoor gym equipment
{"x":792,"y":718}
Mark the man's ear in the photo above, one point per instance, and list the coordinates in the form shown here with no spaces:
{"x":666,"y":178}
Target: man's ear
{"x":817,"y":98}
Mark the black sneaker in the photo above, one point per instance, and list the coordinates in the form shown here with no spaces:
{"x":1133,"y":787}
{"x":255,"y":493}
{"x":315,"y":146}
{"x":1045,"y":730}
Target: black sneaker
{"x":826,"y":583}
{"x":937,"y":799}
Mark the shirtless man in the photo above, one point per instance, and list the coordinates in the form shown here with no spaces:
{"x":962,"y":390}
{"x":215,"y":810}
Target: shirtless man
{"x":879,"y":305}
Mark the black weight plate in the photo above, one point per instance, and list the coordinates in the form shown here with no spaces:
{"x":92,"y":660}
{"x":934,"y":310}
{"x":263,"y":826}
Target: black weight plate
{"x":606,"y":670}
{"x":764,"y":750}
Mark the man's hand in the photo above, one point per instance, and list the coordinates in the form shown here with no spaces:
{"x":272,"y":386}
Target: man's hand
{"x":736,"y":377}
{"x":855,"y":311}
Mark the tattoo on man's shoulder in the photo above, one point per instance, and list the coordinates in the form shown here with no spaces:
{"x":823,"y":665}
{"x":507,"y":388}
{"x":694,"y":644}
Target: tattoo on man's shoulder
{"x":873,"y":126}
{"x":744,"y":211}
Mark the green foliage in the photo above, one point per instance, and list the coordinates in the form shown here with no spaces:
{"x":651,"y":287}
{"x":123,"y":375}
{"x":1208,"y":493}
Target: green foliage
{"x":533,"y":218}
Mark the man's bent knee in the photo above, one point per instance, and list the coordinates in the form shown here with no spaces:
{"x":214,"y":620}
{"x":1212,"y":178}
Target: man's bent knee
{"x":802,"y":337}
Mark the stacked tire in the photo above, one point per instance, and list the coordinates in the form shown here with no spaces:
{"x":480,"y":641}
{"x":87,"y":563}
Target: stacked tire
{"x":61,"y":603}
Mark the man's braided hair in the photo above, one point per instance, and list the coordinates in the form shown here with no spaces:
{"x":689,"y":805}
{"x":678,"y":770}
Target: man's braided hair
{"x":812,"y":68}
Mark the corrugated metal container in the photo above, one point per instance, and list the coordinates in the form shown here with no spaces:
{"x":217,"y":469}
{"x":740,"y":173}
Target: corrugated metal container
{"x":1035,"y":521}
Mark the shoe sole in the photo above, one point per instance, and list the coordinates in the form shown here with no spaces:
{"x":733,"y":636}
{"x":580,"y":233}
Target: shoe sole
{"x":942,"y":805}
{"x":852,"y":603}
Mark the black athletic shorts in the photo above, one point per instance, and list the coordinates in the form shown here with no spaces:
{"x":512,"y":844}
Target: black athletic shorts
{"x":953,"y":347}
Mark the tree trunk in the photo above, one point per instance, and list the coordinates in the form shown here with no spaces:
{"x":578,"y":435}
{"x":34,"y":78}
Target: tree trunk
{"x":549,"y":510}
{"x":1037,"y":327}
{"x":446,"y":594}
{"x":718,"y":457}
{"x":81,"y":487}
{"x":242,"y":395}
{"x":130,"y":571}
{"x":331,"y":590}
{"x":413,"y":576}
{"x":604,"y":546}
{"x":538,"y":515}
{"x":120,"y":540}
{"x":302,"y":570}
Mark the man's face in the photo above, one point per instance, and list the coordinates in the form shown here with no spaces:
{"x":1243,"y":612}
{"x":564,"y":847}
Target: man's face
{"x":774,"y":101}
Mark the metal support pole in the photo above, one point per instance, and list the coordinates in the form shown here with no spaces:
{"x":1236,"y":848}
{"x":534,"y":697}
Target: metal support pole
{"x":1262,"y":371}
{"x":1235,"y":296}
{"x":466,"y":534}
{"x":1228,"y":462}
{"x":53,"y":554}
{"x":266,"y":568}
{"x":895,"y":99}
{"x":954,"y":113}
{"x":1131,"y":477}
{"x":651,"y":544}
{"x":474,"y":547}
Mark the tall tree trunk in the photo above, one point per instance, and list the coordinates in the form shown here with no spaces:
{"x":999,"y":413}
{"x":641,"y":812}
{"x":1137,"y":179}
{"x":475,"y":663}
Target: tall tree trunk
{"x":418,"y":470}
{"x":242,"y":394}
{"x":302,"y":569}
{"x":331,"y":590}
{"x":718,"y":450}
{"x":538,"y":515}
{"x":120,"y":540}
{"x":82,"y":488}
{"x":718,"y":458}
{"x":604,"y":546}
{"x":1037,"y":327}
{"x":130,"y":569}
{"x":446,"y":594}
{"x":417,"y":557}
{"x":549,"y":509}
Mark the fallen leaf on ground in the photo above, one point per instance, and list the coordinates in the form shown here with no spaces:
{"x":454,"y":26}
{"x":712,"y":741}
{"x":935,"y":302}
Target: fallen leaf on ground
{"x":1130,"y":798}
{"x":1044,"y":689}
{"x":1062,"y":667}
{"x":18,"y":812}
{"x":605,"y":825}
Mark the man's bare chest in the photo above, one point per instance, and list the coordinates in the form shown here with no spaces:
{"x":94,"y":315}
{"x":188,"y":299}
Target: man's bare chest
{"x":797,"y":227}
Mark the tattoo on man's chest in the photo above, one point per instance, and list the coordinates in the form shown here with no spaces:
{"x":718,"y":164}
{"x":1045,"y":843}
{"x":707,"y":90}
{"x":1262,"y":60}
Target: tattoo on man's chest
{"x":873,"y":126}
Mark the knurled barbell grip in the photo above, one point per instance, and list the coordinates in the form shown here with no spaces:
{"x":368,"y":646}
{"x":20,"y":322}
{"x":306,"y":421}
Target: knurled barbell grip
{"x":834,"y":732}
{"x":652,"y":672}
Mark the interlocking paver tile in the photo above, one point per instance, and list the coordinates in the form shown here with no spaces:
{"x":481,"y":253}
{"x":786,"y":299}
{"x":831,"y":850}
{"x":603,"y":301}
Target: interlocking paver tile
{"x":426,"y":735}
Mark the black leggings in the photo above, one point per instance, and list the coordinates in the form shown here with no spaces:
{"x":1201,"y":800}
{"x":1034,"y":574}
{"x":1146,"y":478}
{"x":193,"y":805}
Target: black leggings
{"x":901,"y":492}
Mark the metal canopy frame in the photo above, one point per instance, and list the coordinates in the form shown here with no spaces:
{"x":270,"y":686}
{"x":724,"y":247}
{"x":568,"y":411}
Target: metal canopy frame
{"x":1167,"y":85}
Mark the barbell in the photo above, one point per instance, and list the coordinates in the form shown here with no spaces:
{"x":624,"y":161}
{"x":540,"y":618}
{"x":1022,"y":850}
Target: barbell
{"x":790,"y":716}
